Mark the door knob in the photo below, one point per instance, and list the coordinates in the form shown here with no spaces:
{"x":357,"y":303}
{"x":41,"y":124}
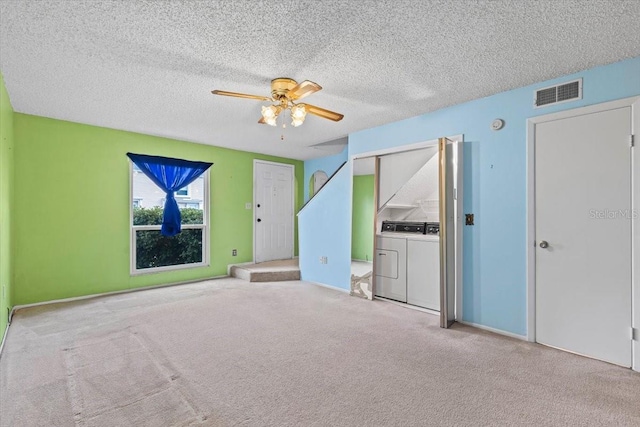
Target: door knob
{"x":544,"y":244}
{"x":259,"y":220}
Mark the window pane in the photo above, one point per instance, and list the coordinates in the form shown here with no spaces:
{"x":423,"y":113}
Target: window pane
{"x":146,"y":192}
{"x":147,"y":216}
{"x":155,"y":250}
{"x":150,"y":201}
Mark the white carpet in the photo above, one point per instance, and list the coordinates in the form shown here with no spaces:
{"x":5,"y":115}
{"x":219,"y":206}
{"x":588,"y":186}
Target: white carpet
{"x":227,"y":352}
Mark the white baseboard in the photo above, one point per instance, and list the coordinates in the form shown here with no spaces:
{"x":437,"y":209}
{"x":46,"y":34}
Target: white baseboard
{"x":494,"y":330}
{"x":335,"y":288}
{"x":104,"y":294}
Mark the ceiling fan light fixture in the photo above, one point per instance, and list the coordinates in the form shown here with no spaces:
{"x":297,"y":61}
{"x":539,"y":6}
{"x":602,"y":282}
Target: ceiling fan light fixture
{"x":298,"y":114}
{"x":298,"y":111}
{"x":270,"y":112}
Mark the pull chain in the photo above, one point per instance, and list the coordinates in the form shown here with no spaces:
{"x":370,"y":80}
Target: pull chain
{"x":284,"y":126}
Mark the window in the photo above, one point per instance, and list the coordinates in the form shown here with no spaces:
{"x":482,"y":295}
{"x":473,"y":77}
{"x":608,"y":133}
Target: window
{"x":150,"y":250}
{"x":183,"y":192}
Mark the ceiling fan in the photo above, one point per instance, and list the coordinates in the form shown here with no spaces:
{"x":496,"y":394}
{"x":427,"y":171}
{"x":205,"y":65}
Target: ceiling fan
{"x":284,"y":91}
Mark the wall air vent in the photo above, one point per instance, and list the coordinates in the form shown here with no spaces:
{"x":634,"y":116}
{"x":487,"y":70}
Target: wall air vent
{"x":565,"y":92}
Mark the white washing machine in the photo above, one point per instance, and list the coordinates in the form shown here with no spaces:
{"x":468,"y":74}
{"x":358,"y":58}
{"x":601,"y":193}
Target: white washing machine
{"x":408,"y":263}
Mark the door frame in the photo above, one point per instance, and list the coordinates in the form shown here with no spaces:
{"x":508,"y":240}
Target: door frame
{"x":459,"y":138}
{"x":634,"y":104}
{"x":255,"y":212}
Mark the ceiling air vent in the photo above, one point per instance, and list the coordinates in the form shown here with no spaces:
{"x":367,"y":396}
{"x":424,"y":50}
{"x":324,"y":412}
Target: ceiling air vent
{"x":556,"y":94}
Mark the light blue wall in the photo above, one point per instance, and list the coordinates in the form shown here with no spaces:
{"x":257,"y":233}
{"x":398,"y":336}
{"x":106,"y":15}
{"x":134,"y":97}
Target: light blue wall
{"x":494,"y":288}
{"x":326,"y":222}
{"x":329,"y":164}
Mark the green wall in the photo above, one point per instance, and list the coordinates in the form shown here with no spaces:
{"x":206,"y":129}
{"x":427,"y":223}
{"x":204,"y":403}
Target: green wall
{"x":362,"y":218}
{"x":6,"y":177}
{"x":72,"y":198}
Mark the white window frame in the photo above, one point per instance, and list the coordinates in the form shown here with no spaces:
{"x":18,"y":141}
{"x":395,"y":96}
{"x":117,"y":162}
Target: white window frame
{"x":204,"y":226}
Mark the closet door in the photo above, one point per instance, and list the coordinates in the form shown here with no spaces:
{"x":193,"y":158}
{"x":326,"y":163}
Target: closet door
{"x":449,"y":152}
{"x":583,"y":221}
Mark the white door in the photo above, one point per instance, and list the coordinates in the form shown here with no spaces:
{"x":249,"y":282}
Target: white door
{"x":583,"y":234}
{"x":273,"y":211}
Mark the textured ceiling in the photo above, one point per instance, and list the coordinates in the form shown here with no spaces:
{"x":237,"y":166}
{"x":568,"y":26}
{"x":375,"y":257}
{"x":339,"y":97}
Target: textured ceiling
{"x":149,"y":66}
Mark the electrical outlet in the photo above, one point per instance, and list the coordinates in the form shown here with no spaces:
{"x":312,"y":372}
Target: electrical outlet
{"x":323,"y":260}
{"x":247,"y":206}
{"x":234,"y":252}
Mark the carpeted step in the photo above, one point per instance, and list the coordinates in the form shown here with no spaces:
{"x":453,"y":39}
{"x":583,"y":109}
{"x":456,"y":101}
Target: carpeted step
{"x":272,"y":271}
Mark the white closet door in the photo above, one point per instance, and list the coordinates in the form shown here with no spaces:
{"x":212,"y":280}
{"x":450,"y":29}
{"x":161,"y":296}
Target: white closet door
{"x":583,"y":234}
{"x":448,"y":170}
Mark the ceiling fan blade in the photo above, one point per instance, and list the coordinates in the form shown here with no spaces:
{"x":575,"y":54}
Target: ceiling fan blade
{"x":303,"y":89}
{"x":261,"y":121}
{"x":240,"y":95}
{"x":325,"y":114}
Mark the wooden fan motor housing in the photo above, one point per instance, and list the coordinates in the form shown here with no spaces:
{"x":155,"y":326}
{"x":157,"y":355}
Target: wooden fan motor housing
{"x":281,"y":86}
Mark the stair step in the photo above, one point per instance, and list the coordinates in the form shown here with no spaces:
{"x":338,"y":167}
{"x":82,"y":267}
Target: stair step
{"x":271,"y":271}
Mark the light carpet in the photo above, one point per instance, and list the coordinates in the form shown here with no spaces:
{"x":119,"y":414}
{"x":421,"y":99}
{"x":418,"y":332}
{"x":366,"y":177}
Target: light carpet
{"x":227,"y":353}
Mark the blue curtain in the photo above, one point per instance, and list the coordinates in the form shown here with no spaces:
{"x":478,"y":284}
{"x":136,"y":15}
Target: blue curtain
{"x":170,"y":175}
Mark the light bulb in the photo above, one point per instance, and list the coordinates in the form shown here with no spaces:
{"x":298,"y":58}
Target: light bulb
{"x":298,"y":112}
{"x":269,"y":112}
